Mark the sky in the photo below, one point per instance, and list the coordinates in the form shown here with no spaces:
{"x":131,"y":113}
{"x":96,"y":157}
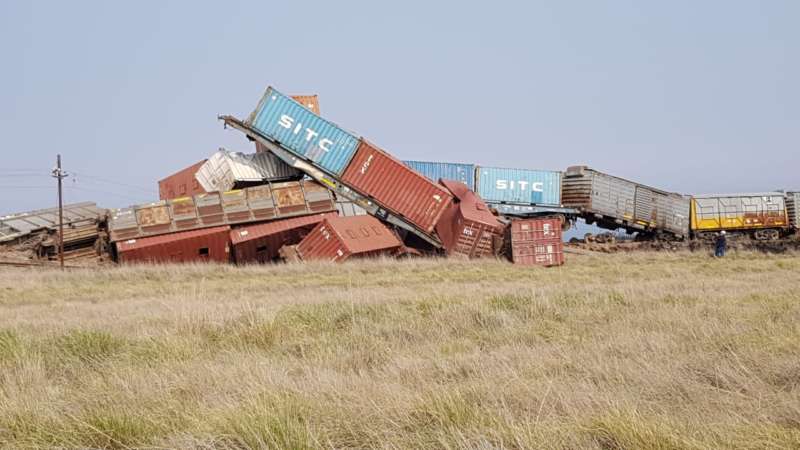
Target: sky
{"x":686,"y":96}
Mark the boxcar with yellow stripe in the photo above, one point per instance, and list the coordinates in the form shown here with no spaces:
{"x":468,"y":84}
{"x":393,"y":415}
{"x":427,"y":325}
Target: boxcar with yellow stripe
{"x":761,"y":215}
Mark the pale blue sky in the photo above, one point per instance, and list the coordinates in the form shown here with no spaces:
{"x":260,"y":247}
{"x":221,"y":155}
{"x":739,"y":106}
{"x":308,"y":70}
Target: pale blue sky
{"x":690,"y":96}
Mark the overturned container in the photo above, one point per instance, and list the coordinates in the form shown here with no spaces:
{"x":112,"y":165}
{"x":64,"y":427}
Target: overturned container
{"x":181,"y":183}
{"x":261,"y":243}
{"x":254,"y":204}
{"x":468,"y":228}
{"x":537,"y":242}
{"x":226,"y":170}
{"x":395,"y":186}
{"x":207,"y":245}
{"x":338,"y":239}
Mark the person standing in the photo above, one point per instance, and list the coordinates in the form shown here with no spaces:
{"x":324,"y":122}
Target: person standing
{"x":721,"y":244}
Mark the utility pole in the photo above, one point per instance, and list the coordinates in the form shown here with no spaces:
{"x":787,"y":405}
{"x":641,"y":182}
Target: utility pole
{"x":58,"y":173}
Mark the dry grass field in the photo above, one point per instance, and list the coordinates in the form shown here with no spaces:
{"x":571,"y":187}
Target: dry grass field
{"x":633,"y":351}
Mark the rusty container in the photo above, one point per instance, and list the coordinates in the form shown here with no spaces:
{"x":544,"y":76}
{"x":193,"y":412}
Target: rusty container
{"x":181,"y":183}
{"x":537,"y":242}
{"x":340,"y":238}
{"x":468,"y":228}
{"x":398,"y":188}
{"x":260,"y":243}
{"x":311,"y":102}
{"x":207,"y":245}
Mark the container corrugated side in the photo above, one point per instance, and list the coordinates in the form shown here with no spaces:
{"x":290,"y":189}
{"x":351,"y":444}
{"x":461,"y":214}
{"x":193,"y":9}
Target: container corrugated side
{"x":434,"y":171}
{"x":311,"y":102}
{"x":396,"y":187}
{"x":210,"y":244}
{"x":225,"y":170}
{"x":519,"y":186}
{"x":181,"y":183}
{"x":537,"y":242}
{"x":260,"y":243}
{"x":283,"y":120}
{"x":793,"y":209}
{"x":467,"y":228}
{"x":337,"y":239}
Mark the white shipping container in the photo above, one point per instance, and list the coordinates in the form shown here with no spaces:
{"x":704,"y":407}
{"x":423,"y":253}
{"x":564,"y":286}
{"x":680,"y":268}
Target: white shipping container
{"x":226,"y":170}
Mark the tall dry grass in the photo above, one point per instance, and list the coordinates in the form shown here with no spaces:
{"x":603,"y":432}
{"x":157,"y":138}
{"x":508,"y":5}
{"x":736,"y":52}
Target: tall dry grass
{"x":642,"y":351}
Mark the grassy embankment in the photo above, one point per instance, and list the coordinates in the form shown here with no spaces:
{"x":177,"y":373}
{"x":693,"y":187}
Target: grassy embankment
{"x":631,"y":351}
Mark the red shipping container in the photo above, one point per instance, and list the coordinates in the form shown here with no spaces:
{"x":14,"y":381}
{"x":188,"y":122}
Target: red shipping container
{"x":537,"y":242}
{"x":468,"y":228}
{"x":260,"y":243}
{"x":181,"y":183}
{"x":396,"y":187}
{"x":210,"y":244}
{"x":337,"y":239}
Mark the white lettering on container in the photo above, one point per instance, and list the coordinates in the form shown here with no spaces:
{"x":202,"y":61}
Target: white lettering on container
{"x":288,"y":122}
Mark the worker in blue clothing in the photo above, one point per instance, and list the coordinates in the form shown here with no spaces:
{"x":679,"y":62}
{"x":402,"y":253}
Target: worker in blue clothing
{"x":721,"y":245}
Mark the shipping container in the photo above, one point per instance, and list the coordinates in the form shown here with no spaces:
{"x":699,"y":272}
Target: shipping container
{"x":434,"y":171}
{"x":260,"y":243}
{"x":311,"y":102}
{"x":337,"y":239}
{"x":347,"y":208}
{"x":613,"y":202}
{"x":287,"y":122}
{"x":379,"y":176}
{"x":226,"y":170}
{"x":253,"y":204}
{"x":210,"y":244}
{"x":181,"y":183}
{"x":468,"y":228}
{"x":518,"y":186}
{"x":793,"y":209}
{"x":751,"y":211}
{"x":537,"y":241}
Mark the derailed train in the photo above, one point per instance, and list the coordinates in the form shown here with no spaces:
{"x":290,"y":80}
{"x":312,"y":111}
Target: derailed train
{"x":611,"y":202}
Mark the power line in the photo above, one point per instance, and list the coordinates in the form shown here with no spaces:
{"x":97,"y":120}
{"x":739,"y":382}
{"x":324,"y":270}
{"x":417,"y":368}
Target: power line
{"x":105,"y":180}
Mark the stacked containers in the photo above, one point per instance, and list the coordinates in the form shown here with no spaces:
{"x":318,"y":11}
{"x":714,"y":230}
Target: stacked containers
{"x":260,"y":243}
{"x":468,"y":228}
{"x":435,"y":171}
{"x":378,"y":175}
{"x":339,"y":238}
{"x":225,"y":170}
{"x":537,"y":242}
{"x":210,"y":244}
{"x":181,"y":183}
{"x":283,"y":120}
{"x":518,"y":186}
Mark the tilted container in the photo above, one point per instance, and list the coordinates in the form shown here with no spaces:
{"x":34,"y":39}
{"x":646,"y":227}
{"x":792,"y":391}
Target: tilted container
{"x":310,"y":102}
{"x":285,"y":121}
{"x":468,"y":228}
{"x":206,"y":245}
{"x":613,"y":202}
{"x":181,"y":183}
{"x":518,"y":186}
{"x":258,"y":203}
{"x":260,"y":243}
{"x":537,"y":241}
{"x":379,"y":176}
{"x":434,"y":171}
{"x":226,"y":170}
{"x":338,"y":239}
{"x":749,"y":211}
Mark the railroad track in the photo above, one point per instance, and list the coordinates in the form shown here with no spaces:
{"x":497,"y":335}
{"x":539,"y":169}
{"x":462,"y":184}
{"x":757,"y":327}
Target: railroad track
{"x":32,"y":264}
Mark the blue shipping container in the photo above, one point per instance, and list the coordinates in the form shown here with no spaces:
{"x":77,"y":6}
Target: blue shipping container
{"x":283,"y":120}
{"x":519,"y":186}
{"x":464,"y":173}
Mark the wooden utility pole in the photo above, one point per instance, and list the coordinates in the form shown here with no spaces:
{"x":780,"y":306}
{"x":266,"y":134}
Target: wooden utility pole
{"x":58,"y":173}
